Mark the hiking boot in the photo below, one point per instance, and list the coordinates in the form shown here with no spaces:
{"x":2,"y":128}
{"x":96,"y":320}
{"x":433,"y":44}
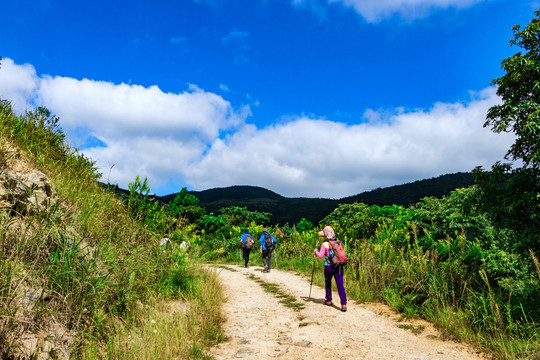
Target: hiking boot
{"x":329,"y":303}
{"x":343,"y":308}
{"x":265,"y":268}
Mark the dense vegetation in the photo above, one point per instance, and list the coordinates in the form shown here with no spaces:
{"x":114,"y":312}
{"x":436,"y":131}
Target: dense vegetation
{"x":467,"y":261}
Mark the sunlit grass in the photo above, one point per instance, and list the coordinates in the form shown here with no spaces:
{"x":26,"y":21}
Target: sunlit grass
{"x":285,"y":299}
{"x":93,"y":267}
{"x":170,"y":329}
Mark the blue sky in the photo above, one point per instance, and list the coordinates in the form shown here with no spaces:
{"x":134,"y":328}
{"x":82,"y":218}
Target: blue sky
{"x":315,"y":98}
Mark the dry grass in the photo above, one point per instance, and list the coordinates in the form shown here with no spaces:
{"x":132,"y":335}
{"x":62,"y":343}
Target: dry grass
{"x":169,"y":329}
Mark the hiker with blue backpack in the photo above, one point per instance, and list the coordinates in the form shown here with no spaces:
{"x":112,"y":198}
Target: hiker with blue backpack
{"x":267,"y":243}
{"x":335,"y":260}
{"x":246,"y":242}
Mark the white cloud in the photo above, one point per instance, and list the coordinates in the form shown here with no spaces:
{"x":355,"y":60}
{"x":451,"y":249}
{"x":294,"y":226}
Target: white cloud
{"x":224,"y":88}
{"x":322,"y":158}
{"x":377,"y":10}
{"x":159,"y":159}
{"x":17,"y":84}
{"x":120,"y":111}
{"x":147,"y":132}
{"x":166,"y":136}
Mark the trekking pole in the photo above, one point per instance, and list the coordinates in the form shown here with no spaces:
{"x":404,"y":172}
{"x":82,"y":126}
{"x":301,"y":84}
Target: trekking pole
{"x":275,"y":256}
{"x":312,"y":271}
{"x":241,"y":252}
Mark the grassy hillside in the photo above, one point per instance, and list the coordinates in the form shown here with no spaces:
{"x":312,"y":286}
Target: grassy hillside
{"x":80,"y":276}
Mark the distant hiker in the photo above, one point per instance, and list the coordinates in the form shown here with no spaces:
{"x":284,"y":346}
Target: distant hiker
{"x":165,"y":241}
{"x":335,"y":271}
{"x":267,"y":243}
{"x":246,"y":241}
{"x":185,"y":246}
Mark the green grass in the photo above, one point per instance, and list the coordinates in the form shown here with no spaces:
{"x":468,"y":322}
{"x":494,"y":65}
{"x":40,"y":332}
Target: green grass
{"x":169,"y":329}
{"x":417,"y":330}
{"x":285,"y":299}
{"x":90,"y":265}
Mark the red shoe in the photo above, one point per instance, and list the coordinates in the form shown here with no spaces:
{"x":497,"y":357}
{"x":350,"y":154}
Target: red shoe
{"x":329,"y":303}
{"x":343,"y":308}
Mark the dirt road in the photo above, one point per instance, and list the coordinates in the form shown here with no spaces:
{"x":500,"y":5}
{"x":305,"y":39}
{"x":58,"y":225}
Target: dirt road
{"x":259,"y":326}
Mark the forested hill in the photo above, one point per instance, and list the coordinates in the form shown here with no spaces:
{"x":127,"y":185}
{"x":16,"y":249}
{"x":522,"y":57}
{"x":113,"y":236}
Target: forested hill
{"x":410,"y":193}
{"x":291,"y":210}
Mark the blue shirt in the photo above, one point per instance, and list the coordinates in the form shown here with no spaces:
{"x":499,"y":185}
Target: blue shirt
{"x":261,"y":241}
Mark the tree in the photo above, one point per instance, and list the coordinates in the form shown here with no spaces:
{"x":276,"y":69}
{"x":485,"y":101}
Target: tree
{"x":241,"y":216}
{"x":183,"y":198}
{"x":304,"y":225}
{"x":512,"y":196}
{"x":187,"y":206}
{"x":519,"y":89}
{"x":138,"y":196}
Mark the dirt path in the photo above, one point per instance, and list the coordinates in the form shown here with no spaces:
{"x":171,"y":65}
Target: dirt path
{"x":260,"y":327}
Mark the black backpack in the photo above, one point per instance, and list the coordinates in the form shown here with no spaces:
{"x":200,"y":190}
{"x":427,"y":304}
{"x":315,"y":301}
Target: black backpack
{"x":268,"y":242}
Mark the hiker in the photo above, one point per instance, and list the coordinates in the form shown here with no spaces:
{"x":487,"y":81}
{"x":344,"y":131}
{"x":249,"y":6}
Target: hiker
{"x":246,"y":242}
{"x":267,"y":243}
{"x":165,"y":241}
{"x":185,"y":246}
{"x":330,"y":271}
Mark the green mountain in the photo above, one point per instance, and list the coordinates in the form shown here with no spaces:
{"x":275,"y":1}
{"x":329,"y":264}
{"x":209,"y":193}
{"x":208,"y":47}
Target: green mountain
{"x":291,"y":210}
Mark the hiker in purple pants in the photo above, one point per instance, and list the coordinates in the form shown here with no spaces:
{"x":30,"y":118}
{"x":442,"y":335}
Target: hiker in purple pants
{"x":336,"y":273}
{"x":330,"y":271}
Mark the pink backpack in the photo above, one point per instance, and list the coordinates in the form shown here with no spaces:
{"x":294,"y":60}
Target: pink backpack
{"x":336,"y":253}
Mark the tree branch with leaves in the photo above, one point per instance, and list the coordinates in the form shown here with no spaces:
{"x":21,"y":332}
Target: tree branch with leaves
{"x":519,"y":89}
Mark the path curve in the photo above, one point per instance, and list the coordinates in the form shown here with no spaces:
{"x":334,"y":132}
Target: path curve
{"x":259,"y":327}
